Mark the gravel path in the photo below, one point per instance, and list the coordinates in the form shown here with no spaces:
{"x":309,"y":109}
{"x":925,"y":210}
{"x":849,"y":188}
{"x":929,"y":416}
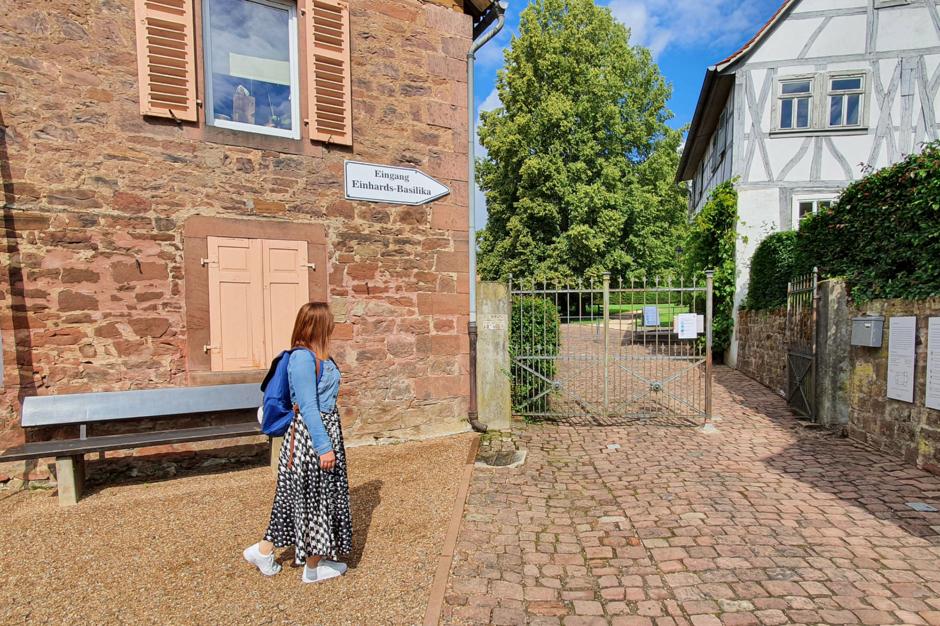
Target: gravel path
{"x":170,"y":552}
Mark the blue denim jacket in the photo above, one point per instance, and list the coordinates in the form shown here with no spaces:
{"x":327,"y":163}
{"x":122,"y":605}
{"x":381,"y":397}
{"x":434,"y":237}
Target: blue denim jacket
{"x":302,"y":375}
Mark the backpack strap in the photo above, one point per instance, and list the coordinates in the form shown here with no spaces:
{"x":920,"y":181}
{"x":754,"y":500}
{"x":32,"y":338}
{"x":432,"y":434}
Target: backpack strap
{"x":319,"y":375}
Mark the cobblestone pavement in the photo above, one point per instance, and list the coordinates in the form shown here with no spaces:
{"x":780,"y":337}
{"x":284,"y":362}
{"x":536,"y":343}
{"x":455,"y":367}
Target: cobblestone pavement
{"x":763,"y":522}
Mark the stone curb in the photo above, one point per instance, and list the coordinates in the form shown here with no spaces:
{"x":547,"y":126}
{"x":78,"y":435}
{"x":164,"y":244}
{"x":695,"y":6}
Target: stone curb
{"x":439,"y":586}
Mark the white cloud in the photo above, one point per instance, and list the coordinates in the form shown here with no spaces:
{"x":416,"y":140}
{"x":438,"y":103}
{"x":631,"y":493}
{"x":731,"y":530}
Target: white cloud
{"x":660,"y":24}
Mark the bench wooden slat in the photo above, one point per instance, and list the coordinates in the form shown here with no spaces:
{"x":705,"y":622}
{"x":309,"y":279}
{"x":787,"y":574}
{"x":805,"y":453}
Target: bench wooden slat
{"x":142,"y":403}
{"x":74,"y":447}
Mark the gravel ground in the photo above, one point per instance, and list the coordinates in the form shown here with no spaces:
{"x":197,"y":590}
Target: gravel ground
{"x":170,"y":552}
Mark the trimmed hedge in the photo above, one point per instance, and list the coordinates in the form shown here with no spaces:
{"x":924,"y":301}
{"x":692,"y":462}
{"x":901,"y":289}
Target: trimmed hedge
{"x":883,"y":234}
{"x":535,"y":330}
{"x":771,"y":270}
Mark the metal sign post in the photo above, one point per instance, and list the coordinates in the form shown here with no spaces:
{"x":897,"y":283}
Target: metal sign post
{"x":709,"y":290}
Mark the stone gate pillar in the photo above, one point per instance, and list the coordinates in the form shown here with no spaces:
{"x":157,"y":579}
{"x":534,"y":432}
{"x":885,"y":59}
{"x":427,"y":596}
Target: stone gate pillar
{"x":493,"y":388}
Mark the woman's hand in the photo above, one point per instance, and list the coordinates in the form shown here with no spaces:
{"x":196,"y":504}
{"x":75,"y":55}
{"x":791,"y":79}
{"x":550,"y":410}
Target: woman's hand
{"x":328,"y":460}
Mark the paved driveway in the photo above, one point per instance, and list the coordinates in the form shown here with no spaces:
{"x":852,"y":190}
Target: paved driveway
{"x":761,"y":523}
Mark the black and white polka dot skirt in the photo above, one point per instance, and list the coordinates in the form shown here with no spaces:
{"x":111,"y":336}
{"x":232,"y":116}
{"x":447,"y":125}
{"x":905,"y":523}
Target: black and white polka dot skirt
{"x":311,"y":506}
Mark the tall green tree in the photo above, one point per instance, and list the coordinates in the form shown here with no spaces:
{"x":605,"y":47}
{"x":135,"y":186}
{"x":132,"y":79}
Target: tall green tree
{"x":580,"y":165}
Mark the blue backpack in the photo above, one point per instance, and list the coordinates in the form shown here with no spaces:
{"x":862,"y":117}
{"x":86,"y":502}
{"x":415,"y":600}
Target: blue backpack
{"x":277,"y":410}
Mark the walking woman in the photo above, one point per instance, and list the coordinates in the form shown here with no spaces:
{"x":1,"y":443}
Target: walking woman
{"x":311,"y":502}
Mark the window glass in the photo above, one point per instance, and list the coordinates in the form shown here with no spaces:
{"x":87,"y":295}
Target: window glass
{"x":249,"y":48}
{"x":845,"y":84}
{"x":805,"y":209}
{"x":851,"y":114}
{"x":835,"y":111}
{"x":796,"y":87}
{"x":802,"y":113}
{"x":786,"y":113}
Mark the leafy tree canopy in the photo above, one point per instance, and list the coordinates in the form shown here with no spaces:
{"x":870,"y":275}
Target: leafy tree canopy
{"x":580,"y":165}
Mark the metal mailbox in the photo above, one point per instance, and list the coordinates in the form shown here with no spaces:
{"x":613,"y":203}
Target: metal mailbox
{"x":867,"y":331}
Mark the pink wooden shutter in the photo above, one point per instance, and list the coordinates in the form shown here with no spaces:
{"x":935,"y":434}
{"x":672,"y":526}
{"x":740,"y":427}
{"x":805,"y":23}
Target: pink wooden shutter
{"x":236,"y":314}
{"x":329,"y":110}
{"x":166,"y":65}
{"x":286,"y":288}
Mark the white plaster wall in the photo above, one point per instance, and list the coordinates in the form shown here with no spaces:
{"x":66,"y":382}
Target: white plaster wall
{"x":855,"y":149}
{"x":758,"y":216}
{"x":906,"y":28}
{"x":844,"y":34}
{"x":786,"y":40}
{"x":781,"y":150}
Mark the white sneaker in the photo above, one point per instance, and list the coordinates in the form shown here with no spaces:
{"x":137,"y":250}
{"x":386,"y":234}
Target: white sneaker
{"x":337,"y":565}
{"x":265,"y":564}
{"x":324,"y":570}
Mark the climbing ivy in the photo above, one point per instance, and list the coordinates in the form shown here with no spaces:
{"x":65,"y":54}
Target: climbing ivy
{"x":710,"y":244}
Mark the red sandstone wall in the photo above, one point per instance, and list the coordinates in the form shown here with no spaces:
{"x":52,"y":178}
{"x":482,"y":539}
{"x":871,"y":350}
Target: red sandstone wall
{"x":93,"y":279}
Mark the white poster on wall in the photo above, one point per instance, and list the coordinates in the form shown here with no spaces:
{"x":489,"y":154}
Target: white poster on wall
{"x":902,"y":337}
{"x":933,"y":363}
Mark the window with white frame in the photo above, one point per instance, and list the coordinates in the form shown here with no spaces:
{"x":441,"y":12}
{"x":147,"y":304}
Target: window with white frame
{"x":809,"y":205}
{"x":252,"y":79}
{"x":795,"y":104}
{"x":846,"y":98}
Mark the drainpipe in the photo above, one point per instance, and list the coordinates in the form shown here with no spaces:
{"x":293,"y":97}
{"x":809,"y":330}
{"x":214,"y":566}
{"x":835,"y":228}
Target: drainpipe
{"x":472,"y":414}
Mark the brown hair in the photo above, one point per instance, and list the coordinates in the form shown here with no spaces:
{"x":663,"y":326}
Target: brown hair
{"x":312,"y":329}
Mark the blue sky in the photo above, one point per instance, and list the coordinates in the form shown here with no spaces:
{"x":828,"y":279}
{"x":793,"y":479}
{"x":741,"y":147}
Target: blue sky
{"x":685,"y":37}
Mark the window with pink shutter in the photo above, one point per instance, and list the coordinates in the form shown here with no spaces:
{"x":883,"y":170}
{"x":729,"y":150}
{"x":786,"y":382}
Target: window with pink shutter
{"x":166,"y":64}
{"x":329,"y":90}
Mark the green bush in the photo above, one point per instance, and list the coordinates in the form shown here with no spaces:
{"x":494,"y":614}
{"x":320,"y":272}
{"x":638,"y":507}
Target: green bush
{"x":883,"y":233}
{"x":771,"y":270}
{"x":535,"y":331}
{"x":710,"y":245}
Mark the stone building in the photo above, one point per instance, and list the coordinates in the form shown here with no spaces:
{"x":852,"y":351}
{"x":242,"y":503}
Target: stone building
{"x":173,"y":188}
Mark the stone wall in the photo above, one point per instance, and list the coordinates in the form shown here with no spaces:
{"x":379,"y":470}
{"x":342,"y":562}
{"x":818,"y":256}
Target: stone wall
{"x":907,"y":430}
{"x":851,"y":383}
{"x":96,"y":198}
{"x":762,"y":352}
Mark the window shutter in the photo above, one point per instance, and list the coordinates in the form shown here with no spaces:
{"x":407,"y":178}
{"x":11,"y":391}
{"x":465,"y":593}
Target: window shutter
{"x":166,"y":58}
{"x":236,"y":313}
{"x":286,"y":288}
{"x":329,"y":108}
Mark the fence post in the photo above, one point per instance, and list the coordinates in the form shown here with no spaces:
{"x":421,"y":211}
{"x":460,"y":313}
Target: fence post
{"x":606,"y":343}
{"x":709,"y":288}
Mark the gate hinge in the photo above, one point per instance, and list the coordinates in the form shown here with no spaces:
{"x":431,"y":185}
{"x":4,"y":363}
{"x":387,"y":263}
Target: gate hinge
{"x":310,"y":266}
{"x":206,"y":348}
{"x":206,"y":262}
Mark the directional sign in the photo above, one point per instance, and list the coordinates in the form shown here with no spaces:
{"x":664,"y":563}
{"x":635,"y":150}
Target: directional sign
{"x":386,"y":183}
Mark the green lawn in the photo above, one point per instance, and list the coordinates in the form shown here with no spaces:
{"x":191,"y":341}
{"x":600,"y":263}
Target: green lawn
{"x":666,"y":312}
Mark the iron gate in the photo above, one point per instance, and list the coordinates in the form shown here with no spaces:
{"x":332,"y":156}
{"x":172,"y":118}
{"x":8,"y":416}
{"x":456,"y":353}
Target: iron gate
{"x":801,"y":344}
{"x":596,"y":354}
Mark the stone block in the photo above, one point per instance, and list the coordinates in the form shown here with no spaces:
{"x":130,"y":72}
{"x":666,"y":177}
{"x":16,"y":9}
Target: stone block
{"x":70,"y":479}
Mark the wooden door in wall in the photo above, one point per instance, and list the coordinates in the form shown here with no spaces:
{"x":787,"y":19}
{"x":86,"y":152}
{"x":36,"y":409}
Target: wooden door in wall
{"x":235,"y":305}
{"x":286,"y":288}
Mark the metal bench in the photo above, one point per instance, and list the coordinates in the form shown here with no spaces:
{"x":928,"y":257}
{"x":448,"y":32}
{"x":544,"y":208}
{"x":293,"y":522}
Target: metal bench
{"x":86,"y":408}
